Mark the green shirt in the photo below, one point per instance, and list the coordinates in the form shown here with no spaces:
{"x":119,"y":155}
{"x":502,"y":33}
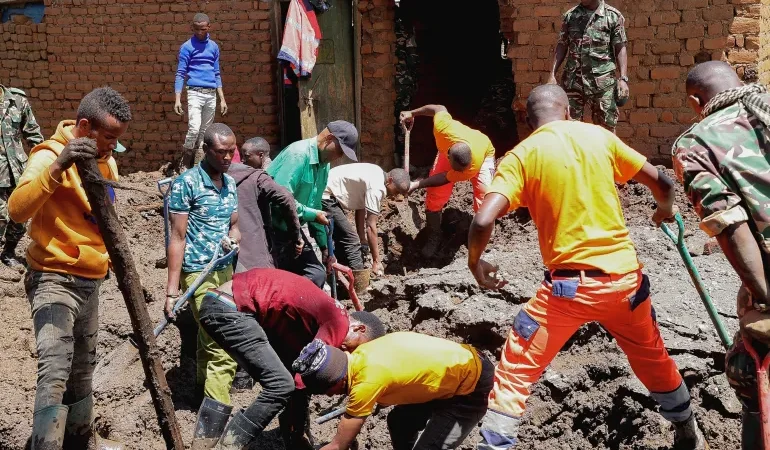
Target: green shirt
{"x":298,"y":169}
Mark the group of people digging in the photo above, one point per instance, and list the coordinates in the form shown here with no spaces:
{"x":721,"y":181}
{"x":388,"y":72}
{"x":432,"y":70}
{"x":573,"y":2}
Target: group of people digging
{"x":267,"y":313}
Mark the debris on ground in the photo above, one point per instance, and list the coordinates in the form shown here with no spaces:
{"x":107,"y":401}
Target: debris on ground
{"x":587,"y":398}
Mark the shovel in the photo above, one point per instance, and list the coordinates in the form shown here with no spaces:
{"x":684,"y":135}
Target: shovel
{"x":678,"y":239}
{"x":409,"y":216}
{"x":761,"y":365}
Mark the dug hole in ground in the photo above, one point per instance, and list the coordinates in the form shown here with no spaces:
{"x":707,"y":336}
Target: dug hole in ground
{"x":587,"y":398}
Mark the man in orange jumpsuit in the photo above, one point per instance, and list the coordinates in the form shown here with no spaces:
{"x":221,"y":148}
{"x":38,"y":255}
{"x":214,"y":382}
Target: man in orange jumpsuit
{"x":463,"y":154}
{"x":565,"y":173}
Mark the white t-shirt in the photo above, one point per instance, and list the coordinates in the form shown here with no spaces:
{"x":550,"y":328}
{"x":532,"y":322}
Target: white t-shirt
{"x":357,"y":186}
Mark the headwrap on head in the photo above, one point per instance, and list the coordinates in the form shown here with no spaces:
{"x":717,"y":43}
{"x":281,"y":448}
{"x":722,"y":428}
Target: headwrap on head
{"x":321,"y":366}
{"x":751,"y":98}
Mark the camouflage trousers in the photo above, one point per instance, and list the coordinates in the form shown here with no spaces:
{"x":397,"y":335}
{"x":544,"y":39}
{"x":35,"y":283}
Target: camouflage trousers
{"x":603,"y":106}
{"x":10,"y":230}
{"x":741,"y":372}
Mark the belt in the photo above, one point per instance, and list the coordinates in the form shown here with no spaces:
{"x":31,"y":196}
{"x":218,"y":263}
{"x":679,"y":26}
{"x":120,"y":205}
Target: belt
{"x":573,"y":273}
{"x":201,"y":89}
{"x":222,"y":297}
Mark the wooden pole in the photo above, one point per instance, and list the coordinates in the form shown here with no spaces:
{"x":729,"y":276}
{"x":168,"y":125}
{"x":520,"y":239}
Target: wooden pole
{"x":131,"y":287}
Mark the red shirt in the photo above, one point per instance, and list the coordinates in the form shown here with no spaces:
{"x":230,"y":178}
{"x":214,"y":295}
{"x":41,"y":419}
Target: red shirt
{"x":291,"y":309}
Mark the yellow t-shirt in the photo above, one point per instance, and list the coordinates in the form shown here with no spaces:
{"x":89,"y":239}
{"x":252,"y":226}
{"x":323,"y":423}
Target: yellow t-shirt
{"x":448,"y":132}
{"x":405,"y":368}
{"x":565,"y":173}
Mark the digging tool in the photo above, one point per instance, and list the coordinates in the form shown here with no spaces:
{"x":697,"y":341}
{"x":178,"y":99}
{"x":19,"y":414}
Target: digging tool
{"x":678,"y":239}
{"x":330,"y":248}
{"x":164,"y":187}
{"x":130,"y":286}
{"x":350,"y":286}
{"x":763,"y":384}
{"x":411,"y":225}
{"x":126,"y":353}
{"x":332,"y":415}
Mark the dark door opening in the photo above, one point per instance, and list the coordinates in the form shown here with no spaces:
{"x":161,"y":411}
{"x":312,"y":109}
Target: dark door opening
{"x":459,"y":65}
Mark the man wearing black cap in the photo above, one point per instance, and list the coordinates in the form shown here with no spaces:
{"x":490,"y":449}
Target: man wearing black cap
{"x":303,"y":169}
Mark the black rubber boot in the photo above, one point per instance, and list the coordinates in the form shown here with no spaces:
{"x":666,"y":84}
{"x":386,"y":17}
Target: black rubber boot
{"x":751,"y":430}
{"x":212,"y":418}
{"x":48,"y":428}
{"x":239,"y":433}
{"x":688,"y":436}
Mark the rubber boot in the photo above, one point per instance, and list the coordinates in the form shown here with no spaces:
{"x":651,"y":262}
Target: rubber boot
{"x":80,"y":433}
{"x":751,"y":430}
{"x":8,"y":256}
{"x":48,"y":428}
{"x":688,"y":436}
{"x":212,"y":418}
{"x":433,"y":227}
{"x":238,"y":434}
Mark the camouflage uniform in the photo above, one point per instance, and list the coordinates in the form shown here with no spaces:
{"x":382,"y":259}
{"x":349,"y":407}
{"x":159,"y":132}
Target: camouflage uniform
{"x":721,"y":162}
{"x":16,"y":122}
{"x":589,"y":74}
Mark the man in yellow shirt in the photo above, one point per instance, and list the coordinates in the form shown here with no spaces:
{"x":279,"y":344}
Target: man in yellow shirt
{"x":67,"y":263}
{"x":463,"y":154}
{"x":565,"y":173}
{"x":439,"y":387}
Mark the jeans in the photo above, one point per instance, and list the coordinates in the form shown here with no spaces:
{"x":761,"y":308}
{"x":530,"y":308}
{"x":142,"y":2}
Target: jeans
{"x":347,"y":244}
{"x":215,"y":368}
{"x":306,"y":264}
{"x":244,"y":339}
{"x":441,"y":424}
{"x":65,"y":315}
{"x":200,"y":114}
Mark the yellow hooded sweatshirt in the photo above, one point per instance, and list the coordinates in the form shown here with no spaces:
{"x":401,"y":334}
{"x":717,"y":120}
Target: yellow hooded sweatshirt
{"x":65,"y":236}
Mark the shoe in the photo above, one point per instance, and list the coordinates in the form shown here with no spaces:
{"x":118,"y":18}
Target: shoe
{"x":688,"y":435}
{"x":242,"y":381}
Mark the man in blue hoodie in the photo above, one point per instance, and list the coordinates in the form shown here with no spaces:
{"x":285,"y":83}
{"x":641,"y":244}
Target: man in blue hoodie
{"x":199,"y":67}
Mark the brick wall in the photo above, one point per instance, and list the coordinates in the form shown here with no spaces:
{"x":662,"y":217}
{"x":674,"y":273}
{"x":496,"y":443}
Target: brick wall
{"x":666,"y":38}
{"x":133,"y":46}
{"x":24,"y":62}
{"x":378,"y":90}
{"x":764,"y":43}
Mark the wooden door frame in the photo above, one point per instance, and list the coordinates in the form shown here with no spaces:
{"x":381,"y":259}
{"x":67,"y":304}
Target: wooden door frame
{"x":276,"y":28}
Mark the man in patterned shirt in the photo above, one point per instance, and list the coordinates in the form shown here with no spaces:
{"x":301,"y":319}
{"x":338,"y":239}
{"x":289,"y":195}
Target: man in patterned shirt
{"x":723,"y":165}
{"x":593,"y":40}
{"x":203,"y":206}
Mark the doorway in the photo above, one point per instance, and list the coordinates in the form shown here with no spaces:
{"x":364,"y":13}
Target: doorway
{"x":460,"y":66}
{"x":308,"y":104}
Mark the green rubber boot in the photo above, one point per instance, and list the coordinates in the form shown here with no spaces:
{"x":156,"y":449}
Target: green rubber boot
{"x":48,"y":428}
{"x":212,"y":418}
{"x":80,"y":433}
{"x":433,"y":227}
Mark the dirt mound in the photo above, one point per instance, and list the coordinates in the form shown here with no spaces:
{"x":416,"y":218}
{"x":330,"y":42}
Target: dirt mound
{"x":588,"y":398}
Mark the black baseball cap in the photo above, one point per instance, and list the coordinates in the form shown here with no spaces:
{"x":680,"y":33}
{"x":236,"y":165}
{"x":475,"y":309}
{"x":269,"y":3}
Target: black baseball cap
{"x":347,"y":135}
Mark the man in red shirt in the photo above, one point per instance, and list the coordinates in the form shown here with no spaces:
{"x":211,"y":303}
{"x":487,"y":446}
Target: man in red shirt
{"x":263,"y":318}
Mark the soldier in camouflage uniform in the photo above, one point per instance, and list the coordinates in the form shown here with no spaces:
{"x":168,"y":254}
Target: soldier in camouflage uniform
{"x":593,"y":40}
{"x":16,"y":122}
{"x":723,"y":165}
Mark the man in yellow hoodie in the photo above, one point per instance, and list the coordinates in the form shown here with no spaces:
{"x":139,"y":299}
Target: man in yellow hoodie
{"x":67,"y":263}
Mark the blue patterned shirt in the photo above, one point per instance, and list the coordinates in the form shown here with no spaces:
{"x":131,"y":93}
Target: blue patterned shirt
{"x":209,"y":210}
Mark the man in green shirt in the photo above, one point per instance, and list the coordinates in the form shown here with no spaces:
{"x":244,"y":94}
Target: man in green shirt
{"x":303,"y":169}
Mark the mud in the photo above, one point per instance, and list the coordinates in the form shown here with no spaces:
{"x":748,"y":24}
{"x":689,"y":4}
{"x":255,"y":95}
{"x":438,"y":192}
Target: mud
{"x":588,"y":397}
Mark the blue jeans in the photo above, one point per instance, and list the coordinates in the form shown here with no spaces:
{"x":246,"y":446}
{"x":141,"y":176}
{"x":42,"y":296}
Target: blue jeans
{"x":243,"y":338}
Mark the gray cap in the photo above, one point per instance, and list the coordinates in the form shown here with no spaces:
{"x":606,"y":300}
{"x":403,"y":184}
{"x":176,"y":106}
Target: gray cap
{"x":347,"y":135}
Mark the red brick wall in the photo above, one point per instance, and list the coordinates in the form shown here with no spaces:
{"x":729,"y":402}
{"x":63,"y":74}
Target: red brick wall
{"x":665,"y":38}
{"x":133,"y":46}
{"x":378,"y":89}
